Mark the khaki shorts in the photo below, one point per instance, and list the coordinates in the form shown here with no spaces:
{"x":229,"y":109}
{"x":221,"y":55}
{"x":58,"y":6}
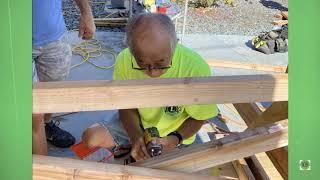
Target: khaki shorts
{"x":51,"y":62}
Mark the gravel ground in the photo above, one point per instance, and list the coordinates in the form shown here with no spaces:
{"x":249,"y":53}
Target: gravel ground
{"x":247,"y":17}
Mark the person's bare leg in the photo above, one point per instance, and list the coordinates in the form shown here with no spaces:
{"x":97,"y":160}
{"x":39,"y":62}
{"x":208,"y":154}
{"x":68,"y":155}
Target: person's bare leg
{"x":39,"y":142}
{"x":97,"y":136}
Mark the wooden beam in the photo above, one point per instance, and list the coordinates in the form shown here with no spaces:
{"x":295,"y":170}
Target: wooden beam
{"x":74,"y":96}
{"x":245,"y":65}
{"x":276,"y":112}
{"x":54,"y":168}
{"x":254,"y":117}
{"x":226,"y":171}
{"x":284,"y":14}
{"x":110,"y":21}
{"x":279,"y":158}
{"x":243,"y":169}
{"x":213,"y":153}
{"x":264,"y":166}
{"x":257,"y":169}
{"x":280,"y":22}
{"x":249,"y":112}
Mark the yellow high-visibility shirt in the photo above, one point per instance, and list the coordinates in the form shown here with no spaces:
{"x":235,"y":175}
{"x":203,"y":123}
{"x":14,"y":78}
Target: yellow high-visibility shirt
{"x":185,"y":63}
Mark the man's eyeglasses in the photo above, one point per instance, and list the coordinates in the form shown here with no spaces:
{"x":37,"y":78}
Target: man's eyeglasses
{"x":154,"y":68}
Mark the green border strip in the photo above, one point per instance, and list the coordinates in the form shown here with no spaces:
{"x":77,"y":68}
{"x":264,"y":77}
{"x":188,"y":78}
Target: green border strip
{"x":304,"y":89}
{"x":16,"y":94}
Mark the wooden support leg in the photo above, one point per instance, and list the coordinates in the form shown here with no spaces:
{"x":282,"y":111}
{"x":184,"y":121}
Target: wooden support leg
{"x":254,"y":117}
{"x":243,"y":169}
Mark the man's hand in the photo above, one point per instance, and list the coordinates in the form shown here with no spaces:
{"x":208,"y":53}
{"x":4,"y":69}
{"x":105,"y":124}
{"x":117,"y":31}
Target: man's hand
{"x":87,"y":27}
{"x":168,"y":142}
{"x":139,"y":150}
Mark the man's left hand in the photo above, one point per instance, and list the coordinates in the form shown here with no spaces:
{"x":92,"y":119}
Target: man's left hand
{"x":87,"y":27}
{"x":168,"y":142}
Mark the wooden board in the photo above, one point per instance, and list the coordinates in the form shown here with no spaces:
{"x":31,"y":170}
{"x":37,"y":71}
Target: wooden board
{"x":285,"y":14}
{"x":53,"y":168}
{"x":280,"y":22}
{"x":110,"y":21}
{"x":243,"y":169}
{"x":74,"y":96}
{"x":245,"y":65}
{"x":257,"y":169}
{"x":276,"y":112}
{"x":279,"y":158}
{"x":251,"y":114}
{"x":226,"y":171}
{"x":233,"y":147}
{"x":268,"y":166}
{"x":263,"y":168}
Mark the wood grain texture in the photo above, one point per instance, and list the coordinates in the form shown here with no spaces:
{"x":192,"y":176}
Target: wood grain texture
{"x":233,"y":147}
{"x":110,"y":21}
{"x":279,"y":158}
{"x":253,"y":116}
{"x":276,"y":112}
{"x":243,"y":169}
{"x":53,"y":168}
{"x":74,"y":96}
{"x":245,"y":65}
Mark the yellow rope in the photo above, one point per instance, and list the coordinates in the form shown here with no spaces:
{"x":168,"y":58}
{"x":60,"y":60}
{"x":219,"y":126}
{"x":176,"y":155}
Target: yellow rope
{"x":91,"y":49}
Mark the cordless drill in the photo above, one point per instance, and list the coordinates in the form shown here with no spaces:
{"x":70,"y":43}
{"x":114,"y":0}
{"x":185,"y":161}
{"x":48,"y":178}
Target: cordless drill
{"x":153,"y":149}
{"x":149,"y":135}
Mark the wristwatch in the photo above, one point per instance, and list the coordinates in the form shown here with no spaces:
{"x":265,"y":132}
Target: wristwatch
{"x":178,"y":135}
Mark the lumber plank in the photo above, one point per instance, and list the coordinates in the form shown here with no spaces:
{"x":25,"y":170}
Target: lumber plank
{"x":54,"y":168}
{"x":252,"y":114}
{"x":279,"y":158}
{"x":249,"y":112}
{"x":284,"y":14}
{"x":110,"y":21}
{"x":276,"y":112}
{"x":74,"y":96}
{"x":243,"y":169}
{"x":112,"y":24}
{"x":280,"y":22}
{"x":213,"y":153}
{"x":226,"y":171}
{"x":257,"y":169}
{"x":264,"y":165}
{"x":249,"y":66}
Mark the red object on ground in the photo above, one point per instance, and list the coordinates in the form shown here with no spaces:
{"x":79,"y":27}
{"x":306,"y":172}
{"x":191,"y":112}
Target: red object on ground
{"x":91,"y":154}
{"x":162,"y":10}
{"x":82,"y":150}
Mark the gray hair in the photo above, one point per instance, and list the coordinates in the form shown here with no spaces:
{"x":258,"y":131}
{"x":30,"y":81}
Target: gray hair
{"x":162,"y":19}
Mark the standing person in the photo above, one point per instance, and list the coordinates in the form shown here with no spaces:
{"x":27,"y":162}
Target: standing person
{"x":51,"y":56}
